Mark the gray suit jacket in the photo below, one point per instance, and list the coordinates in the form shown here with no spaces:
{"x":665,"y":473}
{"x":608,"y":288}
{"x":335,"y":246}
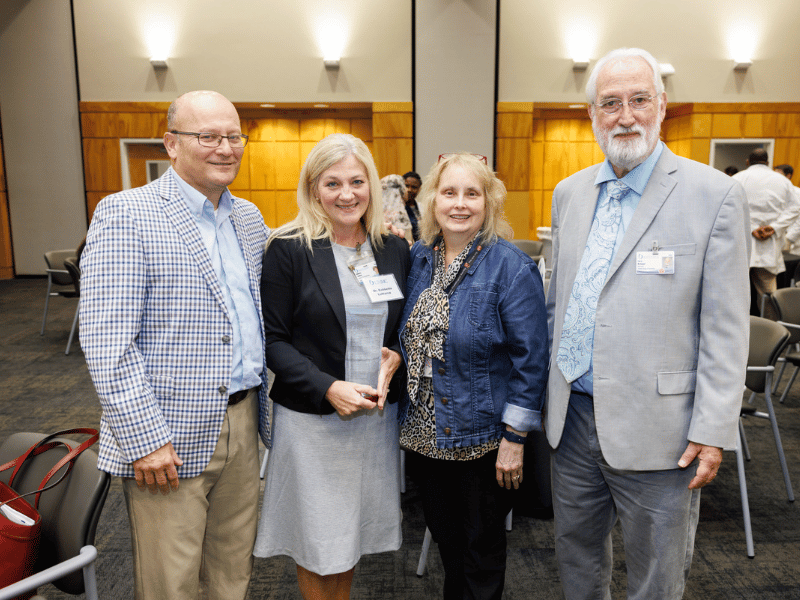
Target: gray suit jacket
{"x":670,"y":351}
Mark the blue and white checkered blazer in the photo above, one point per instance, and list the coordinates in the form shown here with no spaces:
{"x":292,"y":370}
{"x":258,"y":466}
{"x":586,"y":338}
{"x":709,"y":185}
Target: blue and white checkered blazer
{"x":154,"y":327}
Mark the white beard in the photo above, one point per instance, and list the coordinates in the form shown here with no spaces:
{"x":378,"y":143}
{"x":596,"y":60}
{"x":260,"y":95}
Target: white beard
{"x":627,"y":154}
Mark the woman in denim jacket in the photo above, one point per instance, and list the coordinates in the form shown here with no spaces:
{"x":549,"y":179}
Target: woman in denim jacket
{"x":474,"y":337}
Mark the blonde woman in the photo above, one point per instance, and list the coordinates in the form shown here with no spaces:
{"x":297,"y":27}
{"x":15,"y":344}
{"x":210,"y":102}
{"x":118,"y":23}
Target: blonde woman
{"x":332,"y":488}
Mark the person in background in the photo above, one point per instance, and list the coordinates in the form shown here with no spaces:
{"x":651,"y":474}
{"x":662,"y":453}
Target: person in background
{"x":773,"y":209}
{"x":413,"y":182}
{"x":394,"y":209}
{"x":332,"y":295}
{"x":171,"y":327}
{"x":474,"y":334}
{"x":731,"y":171}
{"x":647,"y":309}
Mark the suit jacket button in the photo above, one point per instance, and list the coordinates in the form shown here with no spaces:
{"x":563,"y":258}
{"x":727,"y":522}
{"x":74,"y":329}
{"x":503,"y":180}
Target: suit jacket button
{"x":447,"y":431}
{"x":441,"y":371}
{"x":444,"y":400}
{"x":222,"y":389}
{"x":226,"y":339}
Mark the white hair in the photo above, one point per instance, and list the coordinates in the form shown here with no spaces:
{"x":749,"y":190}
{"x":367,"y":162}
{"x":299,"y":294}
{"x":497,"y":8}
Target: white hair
{"x":621,"y":54}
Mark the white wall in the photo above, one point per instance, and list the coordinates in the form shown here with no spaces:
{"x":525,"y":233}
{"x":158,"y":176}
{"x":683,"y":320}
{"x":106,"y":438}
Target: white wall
{"x":538,"y":41}
{"x":249,"y":50}
{"x":41,"y":131}
{"x":455,"y":79}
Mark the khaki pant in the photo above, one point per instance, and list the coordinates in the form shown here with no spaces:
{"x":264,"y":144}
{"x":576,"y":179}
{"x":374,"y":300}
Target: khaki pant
{"x":764,"y":282}
{"x":198,"y":542}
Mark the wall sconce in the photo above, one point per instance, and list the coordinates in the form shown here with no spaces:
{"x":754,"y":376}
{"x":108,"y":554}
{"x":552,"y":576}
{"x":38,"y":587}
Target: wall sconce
{"x":667,"y":70}
{"x":331,"y":63}
{"x":579,"y":64}
{"x":741,"y":66}
{"x":158,"y":63}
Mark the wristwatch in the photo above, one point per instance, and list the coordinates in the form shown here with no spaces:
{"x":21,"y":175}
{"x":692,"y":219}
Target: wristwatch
{"x":513,"y":437}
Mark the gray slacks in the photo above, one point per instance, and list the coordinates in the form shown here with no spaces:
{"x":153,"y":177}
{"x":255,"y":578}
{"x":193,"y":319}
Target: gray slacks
{"x":656,"y":510}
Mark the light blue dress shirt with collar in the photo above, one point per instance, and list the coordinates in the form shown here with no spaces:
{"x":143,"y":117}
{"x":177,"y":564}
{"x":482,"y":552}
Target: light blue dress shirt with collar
{"x":219,"y":238}
{"x":636,"y":180}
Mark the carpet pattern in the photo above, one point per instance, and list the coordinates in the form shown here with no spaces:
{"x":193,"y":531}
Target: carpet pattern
{"x":44,"y":390}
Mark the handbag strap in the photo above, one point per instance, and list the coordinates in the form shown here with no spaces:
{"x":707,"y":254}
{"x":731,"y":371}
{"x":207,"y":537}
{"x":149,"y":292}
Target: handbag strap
{"x":68,"y":459}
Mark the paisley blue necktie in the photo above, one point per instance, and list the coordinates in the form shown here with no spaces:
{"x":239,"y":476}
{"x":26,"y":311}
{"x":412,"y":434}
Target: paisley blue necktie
{"x":577,"y":336}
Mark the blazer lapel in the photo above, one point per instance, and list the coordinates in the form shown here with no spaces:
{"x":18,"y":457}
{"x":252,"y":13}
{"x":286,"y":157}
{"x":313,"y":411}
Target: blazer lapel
{"x":323,"y":265}
{"x":658,"y":188}
{"x":177,"y":212}
{"x":578,"y":216}
{"x":250,"y":253}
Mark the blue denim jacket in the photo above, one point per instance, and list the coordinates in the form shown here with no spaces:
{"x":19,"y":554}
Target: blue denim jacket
{"x":496,"y":355}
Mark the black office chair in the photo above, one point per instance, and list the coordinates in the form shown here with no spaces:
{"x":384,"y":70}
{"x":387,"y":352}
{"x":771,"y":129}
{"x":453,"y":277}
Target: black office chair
{"x":57,"y":276}
{"x":70,"y":512}
{"x":74,"y":271}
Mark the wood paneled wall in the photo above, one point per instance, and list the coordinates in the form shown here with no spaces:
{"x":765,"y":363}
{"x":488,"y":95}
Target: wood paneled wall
{"x":689,"y":128}
{"x":539,"y":144}
{"x":6,"y":254}
{"x":280,"y":140}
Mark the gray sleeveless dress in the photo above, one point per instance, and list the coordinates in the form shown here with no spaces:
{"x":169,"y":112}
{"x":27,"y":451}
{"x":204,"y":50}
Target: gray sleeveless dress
{"x":333,"y":487}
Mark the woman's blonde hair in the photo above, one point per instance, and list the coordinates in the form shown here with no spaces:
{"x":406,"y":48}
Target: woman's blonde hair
{"x":494,"y":191}
{"x":312,"y":222}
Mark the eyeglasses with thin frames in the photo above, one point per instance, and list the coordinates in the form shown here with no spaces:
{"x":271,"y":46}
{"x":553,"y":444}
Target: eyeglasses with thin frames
{"x":213,"y":140}
{"x":447,"y":155}
{"x":611,"y":106}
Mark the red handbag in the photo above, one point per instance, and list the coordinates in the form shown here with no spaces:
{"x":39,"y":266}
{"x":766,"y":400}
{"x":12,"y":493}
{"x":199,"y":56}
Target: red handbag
{"x":20,"y":522}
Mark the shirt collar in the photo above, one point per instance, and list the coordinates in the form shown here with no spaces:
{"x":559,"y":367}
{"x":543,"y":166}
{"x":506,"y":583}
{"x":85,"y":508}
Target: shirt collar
{"x":638,"y":177}
{"x":196,"y":201}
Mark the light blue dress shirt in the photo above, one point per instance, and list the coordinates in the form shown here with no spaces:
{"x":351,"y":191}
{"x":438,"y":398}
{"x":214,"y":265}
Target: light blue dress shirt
{"x":636,"y":180}
{"x":219,"y":238}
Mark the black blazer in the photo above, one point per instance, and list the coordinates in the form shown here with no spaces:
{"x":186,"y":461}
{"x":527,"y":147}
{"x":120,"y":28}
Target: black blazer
{"x":304,"y":320}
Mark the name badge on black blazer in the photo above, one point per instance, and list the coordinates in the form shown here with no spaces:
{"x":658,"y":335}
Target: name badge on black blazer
{"x":382,"y":288}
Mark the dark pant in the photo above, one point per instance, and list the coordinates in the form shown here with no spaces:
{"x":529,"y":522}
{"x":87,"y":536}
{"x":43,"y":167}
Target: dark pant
{"x":465,"y":510}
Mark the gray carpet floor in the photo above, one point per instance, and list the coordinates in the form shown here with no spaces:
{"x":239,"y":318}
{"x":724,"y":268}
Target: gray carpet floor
{"x":44,"y":390}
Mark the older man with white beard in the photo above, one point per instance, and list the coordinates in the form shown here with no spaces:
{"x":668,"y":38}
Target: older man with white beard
{"x":648,"y":315}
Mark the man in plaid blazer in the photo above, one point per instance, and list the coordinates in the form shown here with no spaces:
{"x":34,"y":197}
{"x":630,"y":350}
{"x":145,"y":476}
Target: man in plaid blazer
{"x":172,"y":331}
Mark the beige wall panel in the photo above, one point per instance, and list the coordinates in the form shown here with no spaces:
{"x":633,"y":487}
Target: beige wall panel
{"x":701,"y":150}
{"x":337,"y":126}
{"x":262,"y":165}
{"x":392,"y":125}
{"x":117,"y":125}
{"x":287,"y":165}
{"x":727,"y":126}
{"x":760,"y":125}
{"x":312,"y":130}
{"x":701,"y":125}
{"x":305,"y":150}
{"x":242,"y":181}
{"x":287,"y":130}
{"x":393,"y":155}
{"x":513,"y":160}
{"x":536,"y":213}
{"x":556,"y":130}
{"x":92,"y":200}
{"x":514,"y":125}
{"x":285,"y":207}
{"x":362,"y":129}
{"x":102,"y":165}
{"x":581,"y":156}
{"x":517,"y":211}
{"x":261,"y":130}
{"x":6,"y":254}
{"x":788,"y":125}
{"x":265,"y":201}
{"x":556,"y":163}
{"x":537,"y":165}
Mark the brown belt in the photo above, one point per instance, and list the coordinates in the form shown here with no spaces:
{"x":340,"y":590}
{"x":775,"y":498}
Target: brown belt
{"x":237,"y":397}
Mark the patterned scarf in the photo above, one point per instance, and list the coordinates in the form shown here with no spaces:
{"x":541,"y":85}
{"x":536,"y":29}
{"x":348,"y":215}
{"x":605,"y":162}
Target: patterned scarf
{"x":429,"y":321}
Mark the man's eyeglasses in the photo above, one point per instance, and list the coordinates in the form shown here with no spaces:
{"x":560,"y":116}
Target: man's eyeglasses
{"x":447,"y":155}
{"x":213,"y":140}
{"x":614,"y":105}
